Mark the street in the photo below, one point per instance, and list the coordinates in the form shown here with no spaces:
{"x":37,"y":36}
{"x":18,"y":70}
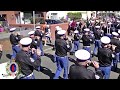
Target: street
{"x":50,"y":66}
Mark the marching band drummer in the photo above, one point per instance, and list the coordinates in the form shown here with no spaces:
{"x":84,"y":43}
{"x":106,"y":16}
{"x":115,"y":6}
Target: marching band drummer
{"x":25,"y":61}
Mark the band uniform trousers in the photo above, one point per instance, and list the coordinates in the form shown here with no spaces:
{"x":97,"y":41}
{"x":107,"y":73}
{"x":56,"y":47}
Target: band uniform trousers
{"x":62,"y":63}
{"x":115,"y":61}
{"x":48,"y":38}
{"x":106,"y":71}
{"x":34,"y":56}
{"x":76,"y":46}
{"x":15,"y":49}
{"x":97,"y":45}
{"x":41,"y":48}
{"x":88,"y":48}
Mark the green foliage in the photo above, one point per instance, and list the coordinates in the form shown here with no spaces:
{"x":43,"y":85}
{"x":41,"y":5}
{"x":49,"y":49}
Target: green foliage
{"x":76,"y":15}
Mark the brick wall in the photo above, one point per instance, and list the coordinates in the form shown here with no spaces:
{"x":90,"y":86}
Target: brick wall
{"x":52,"y":27}
{"x":10,"y":16}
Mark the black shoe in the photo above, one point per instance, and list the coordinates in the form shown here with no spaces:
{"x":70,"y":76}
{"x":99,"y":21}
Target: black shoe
{"x":53,"y":49}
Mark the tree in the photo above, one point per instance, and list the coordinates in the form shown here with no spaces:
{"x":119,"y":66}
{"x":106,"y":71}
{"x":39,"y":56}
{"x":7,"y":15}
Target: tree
{"x":76,"y":15}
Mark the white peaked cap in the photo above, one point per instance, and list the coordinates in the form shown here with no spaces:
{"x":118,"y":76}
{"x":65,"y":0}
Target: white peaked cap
{"x":25,"y":41}
{"x":61,"y":32}
{"x":12,"y":29}
{"x":57,"y":27}
{"x":102,"y":22}
{"x":78,"y":22}
{"x":109,"y":23}
{"x":87,"y":29}
{"x":31,"y":32}
{"x":94,"y":17}
{"x":48,"y":25}
{"x":97,"y":20}
{"x":105,"y":40}
{"x":118,"y":21}
{"x":92,"y":21}
{"x":115,"y":34}
{"x":97,"y":26}
{"x":82,"y":54}
{"x":76,"y":31}
{"x":38,"y":27}
{"x":119,"y":31}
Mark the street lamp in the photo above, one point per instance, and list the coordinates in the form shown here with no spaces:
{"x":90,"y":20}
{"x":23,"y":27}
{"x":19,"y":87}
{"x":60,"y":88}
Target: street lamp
{"x":34,"y":19}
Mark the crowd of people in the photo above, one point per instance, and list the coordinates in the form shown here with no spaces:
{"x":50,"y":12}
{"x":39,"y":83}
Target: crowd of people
{"x":102,"y":33}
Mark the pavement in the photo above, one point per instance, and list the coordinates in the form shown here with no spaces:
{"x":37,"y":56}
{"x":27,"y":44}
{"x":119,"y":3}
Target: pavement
{"x":4,"y":35}
{"x":50,"y":66}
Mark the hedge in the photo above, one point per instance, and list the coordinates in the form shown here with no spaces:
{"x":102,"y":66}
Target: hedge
{"x":76,"y":15}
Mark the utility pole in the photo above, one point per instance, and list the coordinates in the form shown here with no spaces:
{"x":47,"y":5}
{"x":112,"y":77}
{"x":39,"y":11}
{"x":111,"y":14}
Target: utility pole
{"x":34,"y":19}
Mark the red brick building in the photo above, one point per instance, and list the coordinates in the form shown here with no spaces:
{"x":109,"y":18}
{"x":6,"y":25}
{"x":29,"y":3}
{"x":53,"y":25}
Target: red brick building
{"x":12,"y":16}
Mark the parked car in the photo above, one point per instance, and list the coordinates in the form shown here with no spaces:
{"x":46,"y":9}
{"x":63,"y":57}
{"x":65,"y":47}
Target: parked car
{"x":50,"y":21}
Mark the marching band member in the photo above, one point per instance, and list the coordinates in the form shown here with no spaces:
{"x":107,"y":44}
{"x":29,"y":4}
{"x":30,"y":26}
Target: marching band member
{"x":97,"y":34}
{"x":47,"y":35}
{"x":39,"y":35}
{"x":56,"y":35}
{"x":76,"y":41}
{"x":25,"y":61}
{"x":79,"y":69}
{"x":86,"y":40}
{"x":116,"y":49}
{"x":61,"y":55}
{"x":14,"y":40}
{"x":105,"y":57}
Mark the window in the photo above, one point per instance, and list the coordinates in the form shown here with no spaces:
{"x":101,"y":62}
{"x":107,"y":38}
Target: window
{"x":53,"y":13}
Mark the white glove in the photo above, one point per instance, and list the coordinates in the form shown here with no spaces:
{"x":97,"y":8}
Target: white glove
{"x":68,"y":46}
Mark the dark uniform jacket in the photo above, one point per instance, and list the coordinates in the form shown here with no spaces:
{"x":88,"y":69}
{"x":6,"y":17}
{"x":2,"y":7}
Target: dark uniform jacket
{"x":56,"y":35}
{"x":81,"y":72}
{"x":104,"y":29}
{"x":35,"y":43}
{"x":39,"y":33}
{"x":14,"y":39}
{"x":97,"y":34}
{"x":86,"y":40}
{"x":76,"y":37}
{"x":61,"y":47}
{"x":104,"y":57}
{"x":116,"y":42}
{"x":27,"y":65}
